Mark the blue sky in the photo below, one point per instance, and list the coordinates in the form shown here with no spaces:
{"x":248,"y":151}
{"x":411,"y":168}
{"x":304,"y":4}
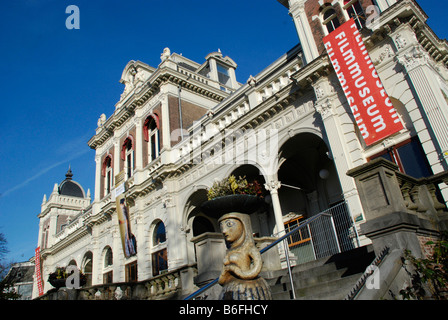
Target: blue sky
{"x":56,"y":82}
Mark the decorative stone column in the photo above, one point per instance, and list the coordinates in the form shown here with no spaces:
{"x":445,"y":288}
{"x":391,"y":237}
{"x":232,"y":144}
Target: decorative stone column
{"x":273,"y":186}
{"x":97,"y":178}
{"x":298,"y":14}
{"x":139,"y":145}
{"x":418,"y":65}
{"x":422,"y":76}
{"x":344,"y":159}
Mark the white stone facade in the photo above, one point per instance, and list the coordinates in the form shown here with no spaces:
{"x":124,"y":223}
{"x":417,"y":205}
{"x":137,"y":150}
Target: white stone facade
{"x":290,"y":125}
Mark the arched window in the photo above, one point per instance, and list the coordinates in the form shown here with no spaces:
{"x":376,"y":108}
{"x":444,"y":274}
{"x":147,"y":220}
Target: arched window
{"x":159,"y":254}
{"x":355,"y":11}
{"x":127,"y":154}
{"x":87,"y":267}
{"x":107,"y":172}
{"x":330,"y":19}
{"x":153,"y":137}
{"x":107,"y":266}
{"x":159,"y":233}
{"x":45,"y":234}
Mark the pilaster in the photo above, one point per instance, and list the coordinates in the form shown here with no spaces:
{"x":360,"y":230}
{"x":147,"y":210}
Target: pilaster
{"x":297,"y":12}
{"x":417,"y":64}
{"x":422,"y":77}
{"x":325,"y":106}
{"x":384,"y":4}
{"x":166,"y":130}
{"x":98,"y":178}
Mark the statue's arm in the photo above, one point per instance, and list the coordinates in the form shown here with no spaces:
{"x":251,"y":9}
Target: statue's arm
{"x":254,"y":269}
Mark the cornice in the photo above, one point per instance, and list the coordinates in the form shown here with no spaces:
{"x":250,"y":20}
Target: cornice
{"x":136,"y":99}
{"x":312,"y":72}
{"x":68,"y":241}
{"x":408,"y":12}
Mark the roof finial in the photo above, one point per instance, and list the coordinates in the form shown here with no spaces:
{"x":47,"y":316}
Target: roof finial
{"x":69,"y":173}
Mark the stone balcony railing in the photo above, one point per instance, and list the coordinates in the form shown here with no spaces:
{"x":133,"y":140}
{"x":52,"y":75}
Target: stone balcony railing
{"x":162,"y":287}
{"x":399,"y":209}
{"x":383,"y":189}
{"x":420,"y":195}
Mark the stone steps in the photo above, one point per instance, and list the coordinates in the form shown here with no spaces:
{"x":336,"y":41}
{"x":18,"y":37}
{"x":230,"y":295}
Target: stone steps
{"x":328,"y":278}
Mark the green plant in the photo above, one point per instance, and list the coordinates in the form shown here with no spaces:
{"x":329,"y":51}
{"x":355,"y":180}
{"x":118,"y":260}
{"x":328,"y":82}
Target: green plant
{"x":430,"y":275}
{"x":61,"y":273}
{"x":232,"y":185}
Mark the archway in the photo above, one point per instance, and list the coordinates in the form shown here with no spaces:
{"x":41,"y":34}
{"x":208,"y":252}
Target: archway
{"x":263,"y":221}
{"x":310,"y":183}
{"x":87,"y":267}
{"x":197,"y":222}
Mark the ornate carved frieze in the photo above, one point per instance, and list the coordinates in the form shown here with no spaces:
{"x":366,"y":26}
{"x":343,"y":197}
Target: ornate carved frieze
{"x":414,"y":58}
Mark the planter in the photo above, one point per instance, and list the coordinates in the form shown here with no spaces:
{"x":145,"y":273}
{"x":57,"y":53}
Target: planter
{"x":57,"y":283}
{"x":60,"y":283}
{"x":242,"y":203}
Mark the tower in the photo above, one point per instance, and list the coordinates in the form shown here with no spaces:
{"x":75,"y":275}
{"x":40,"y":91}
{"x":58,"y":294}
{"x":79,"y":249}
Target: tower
{"x":66,"y":201}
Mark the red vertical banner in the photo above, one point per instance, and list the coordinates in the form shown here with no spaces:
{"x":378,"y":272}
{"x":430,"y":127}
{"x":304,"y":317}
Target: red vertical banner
{"x":37,"y":271}
{"x":372,"y":108}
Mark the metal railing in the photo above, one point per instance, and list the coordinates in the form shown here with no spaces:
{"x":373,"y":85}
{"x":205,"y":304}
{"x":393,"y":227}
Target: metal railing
{"x":332,"y":231}
{"x":327,"y":233}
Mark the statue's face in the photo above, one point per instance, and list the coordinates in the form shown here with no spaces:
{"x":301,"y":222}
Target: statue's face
{"x":232,"y":229}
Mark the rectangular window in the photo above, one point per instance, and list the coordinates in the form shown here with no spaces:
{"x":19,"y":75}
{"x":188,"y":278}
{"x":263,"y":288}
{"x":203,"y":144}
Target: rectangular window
{"x":356,"y":12}
{"x":108,"y":277}
{"x":108,"y":180}
{"x":131,"y":272}
{"x":159,"y":262}
{"x":223,"y":75}
{"x":299,"y":237}
{"x":154,"y":144}
{"x":409,"y":157}
{"x":129,"y":164}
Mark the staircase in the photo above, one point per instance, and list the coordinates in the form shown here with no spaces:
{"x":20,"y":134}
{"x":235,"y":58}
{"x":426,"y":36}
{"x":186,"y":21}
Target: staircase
{"x":329,"y":278}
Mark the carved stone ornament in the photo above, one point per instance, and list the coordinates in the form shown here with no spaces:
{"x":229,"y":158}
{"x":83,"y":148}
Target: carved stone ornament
{"x":101,"y":120}
{"x":165,"y":54}
{"x":414,"y":58}
{"x":252,"y":81}
{"x":386,"y":53}
{"x":272,"y":185}
{"x":324,"y":108}
{"x":400,"y":41}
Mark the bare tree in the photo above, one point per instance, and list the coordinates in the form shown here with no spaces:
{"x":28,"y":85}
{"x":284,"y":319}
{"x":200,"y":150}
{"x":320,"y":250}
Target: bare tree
{"x":5,"y":292}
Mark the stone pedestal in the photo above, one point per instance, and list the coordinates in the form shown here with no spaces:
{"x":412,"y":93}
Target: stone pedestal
{"x":399,"y":209}
{"x":210,"y":252}
{"x":271,"y":258}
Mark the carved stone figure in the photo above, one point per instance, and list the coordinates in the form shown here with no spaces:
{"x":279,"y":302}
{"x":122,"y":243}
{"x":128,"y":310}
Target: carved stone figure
{"x":165,"y":54}
{"x":242,"y":264}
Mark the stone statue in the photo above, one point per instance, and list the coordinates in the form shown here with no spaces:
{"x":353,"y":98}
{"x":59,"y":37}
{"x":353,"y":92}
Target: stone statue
{"x":165,"y":54}
{"x":242,"y":264}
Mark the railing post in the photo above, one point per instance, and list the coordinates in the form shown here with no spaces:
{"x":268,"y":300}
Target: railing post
{"x":349,"y":214}
{"x":335,"y":234}
{"x":311,"y":240}
{"x":285,"y":245}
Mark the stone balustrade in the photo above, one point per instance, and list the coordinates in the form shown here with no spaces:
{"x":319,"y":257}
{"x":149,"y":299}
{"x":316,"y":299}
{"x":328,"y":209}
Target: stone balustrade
{"x":162,"y":287}
{"x":399,"y":209}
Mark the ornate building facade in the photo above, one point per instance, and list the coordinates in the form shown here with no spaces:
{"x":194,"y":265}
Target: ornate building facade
{"x":179,"y":127}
